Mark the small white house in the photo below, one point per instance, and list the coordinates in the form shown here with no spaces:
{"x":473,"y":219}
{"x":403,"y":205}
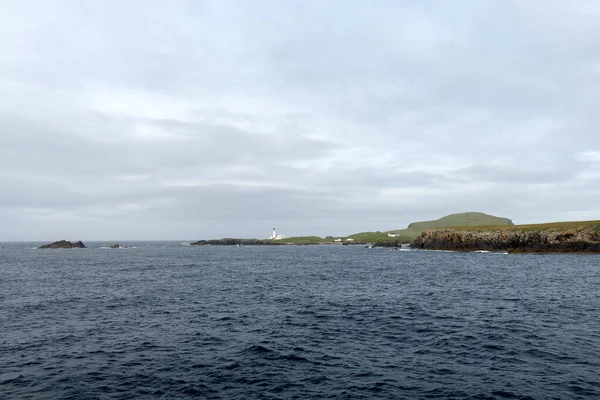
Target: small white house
{"x":337,"y":240}
{"x":349,"y":240}
{"x":392,"y":234}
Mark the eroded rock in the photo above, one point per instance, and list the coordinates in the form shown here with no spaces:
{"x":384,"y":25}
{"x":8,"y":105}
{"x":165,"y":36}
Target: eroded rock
{"x":578,"y":240}
{"x":64,"y":244}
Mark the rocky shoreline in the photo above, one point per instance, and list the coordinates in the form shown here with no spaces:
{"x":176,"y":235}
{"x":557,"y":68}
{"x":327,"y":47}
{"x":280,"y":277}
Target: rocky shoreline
{"x":566,"y":237}
{"x":268,"y":242}
{"x":584,"y":239}
{"x":234,"y":242}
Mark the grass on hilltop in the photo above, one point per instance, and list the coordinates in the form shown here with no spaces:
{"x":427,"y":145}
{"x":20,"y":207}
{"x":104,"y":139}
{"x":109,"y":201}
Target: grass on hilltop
{"x":462,"y":219}
{"x":303,"y":240}
{"x":372,"y":237}
{"x":535,"y":227}
{"x":468,"y":219}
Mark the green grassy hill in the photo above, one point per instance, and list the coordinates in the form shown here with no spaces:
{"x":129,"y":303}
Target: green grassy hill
{"x":468,"y":219}
{"x":303,"y":240}
{"x":463,"y":219}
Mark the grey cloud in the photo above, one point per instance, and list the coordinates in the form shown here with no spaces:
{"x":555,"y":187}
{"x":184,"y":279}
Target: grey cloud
{"x":522,"y":175}
{"x":200,"y":119}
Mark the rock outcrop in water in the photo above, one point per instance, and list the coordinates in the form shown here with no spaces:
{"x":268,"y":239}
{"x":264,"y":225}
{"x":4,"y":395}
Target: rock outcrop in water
{"x":387,"y":243}
{"x":581,"y":239}
{"x":64,"y":244}
{"x":118,"y":246}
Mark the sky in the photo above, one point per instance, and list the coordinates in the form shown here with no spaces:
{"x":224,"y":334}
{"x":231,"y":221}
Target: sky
{"x":207,"y":119}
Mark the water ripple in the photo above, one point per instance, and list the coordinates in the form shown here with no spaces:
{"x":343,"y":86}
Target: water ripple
{"x":339,"y":322}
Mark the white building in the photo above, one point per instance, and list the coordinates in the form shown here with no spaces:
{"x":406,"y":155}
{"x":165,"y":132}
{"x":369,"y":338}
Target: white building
{"x":392,"y":234}
{"x":275,"y":236}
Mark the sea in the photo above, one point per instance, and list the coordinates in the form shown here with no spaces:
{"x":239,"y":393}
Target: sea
{"x":169,"y":321}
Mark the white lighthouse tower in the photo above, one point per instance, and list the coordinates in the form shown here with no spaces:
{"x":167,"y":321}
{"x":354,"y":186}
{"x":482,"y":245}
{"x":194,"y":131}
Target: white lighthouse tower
{"x":274,"y":235}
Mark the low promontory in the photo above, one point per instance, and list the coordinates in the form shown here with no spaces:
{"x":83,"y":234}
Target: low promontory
{"x":562,"y":237}
{"x":234,"y":242}
{"x":64,"y":244}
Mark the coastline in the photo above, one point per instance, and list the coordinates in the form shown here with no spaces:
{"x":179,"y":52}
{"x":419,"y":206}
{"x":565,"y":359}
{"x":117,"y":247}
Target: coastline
{"x":283,"y":242}
{"x":566,"y":238}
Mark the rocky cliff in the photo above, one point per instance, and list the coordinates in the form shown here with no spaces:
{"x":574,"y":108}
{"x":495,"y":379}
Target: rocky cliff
{"x":63,"y":244}
{"x":581,"y":239}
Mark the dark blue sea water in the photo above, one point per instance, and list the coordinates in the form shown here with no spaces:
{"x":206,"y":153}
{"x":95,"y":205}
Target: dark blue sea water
{"x":343,"y":322}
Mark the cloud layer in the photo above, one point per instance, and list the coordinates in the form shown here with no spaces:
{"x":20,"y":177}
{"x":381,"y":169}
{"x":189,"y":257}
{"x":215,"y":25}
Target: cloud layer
{"x":203,"y":119}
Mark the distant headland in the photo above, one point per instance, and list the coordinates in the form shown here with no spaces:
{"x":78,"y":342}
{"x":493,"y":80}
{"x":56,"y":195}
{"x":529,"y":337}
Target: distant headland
{"x":390,"y":238}
{"x":470,"y":231}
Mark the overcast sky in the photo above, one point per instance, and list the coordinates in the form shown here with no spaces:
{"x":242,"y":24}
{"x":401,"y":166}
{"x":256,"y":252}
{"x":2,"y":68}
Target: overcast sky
{"x":204,"y":119}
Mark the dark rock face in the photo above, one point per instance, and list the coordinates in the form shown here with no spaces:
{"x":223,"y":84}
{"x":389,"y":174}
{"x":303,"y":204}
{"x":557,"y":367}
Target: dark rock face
{"x":580,"y":240}
{"x":118,"y":246}
{"x":63,"y":244}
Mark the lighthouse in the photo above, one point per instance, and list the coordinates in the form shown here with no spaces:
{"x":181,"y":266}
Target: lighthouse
{"x":274,"y":235}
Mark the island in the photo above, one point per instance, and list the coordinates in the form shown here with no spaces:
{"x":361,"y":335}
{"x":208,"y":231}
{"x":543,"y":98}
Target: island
{"x":63,"y":244}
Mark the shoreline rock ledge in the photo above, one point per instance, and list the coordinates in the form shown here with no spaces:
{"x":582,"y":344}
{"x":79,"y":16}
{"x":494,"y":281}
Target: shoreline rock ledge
{"x":64,"y":244}
{"x":583,"y":239}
